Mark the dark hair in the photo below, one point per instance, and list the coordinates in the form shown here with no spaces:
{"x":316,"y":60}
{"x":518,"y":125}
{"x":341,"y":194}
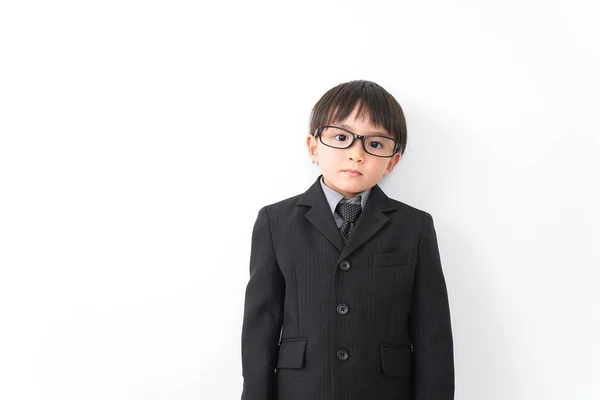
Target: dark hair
{"x":380,"y":106}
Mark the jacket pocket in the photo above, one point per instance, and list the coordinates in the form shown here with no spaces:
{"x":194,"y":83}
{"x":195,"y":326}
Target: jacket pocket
{"x":391,"y":259}
{"x":396,"y":360}
{"x":292,"y":352}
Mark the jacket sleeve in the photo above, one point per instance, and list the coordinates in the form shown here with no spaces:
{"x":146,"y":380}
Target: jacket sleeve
{"x":263,"y":315}
{"x":429,"y":323}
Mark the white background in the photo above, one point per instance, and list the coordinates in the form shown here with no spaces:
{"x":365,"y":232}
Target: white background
{"x":140,"y":139}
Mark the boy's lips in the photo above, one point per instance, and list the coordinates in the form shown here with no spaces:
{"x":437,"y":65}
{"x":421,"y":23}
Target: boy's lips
{"x":352,"y":172}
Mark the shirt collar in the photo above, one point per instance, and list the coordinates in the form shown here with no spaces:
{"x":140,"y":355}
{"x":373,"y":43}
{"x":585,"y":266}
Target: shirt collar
{"x":333,"y":197}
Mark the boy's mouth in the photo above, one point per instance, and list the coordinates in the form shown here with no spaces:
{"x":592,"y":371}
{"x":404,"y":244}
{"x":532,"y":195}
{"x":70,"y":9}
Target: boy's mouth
{"x":352,"y":172}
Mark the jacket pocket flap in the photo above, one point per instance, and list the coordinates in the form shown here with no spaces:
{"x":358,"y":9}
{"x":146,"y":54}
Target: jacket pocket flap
{"x":291,"y":353}
{"x":396,"y":360}
{"x":390,"y":259}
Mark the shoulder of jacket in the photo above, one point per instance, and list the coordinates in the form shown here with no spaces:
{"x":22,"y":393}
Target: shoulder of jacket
{"x":409,"y":209}
{"x":281,"y":207}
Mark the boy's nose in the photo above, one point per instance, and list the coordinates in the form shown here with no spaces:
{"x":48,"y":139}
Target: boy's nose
{"x":356,"y":151}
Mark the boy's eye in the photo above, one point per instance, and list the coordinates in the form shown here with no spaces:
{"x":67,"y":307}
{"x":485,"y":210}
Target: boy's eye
{"x":341,"y":137}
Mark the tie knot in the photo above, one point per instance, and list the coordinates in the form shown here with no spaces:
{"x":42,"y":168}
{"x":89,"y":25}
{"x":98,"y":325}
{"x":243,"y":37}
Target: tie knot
{"x":349,"y":211}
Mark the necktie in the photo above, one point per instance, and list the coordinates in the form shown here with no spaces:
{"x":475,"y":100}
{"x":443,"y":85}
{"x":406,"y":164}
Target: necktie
{"x":350,"y":213}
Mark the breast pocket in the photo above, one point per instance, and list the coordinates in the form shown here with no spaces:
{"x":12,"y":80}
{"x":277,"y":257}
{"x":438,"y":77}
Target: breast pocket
{"x":393,"y":259}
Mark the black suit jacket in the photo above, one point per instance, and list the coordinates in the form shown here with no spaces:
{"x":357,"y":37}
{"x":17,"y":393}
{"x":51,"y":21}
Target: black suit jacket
{"x":368,"y":320}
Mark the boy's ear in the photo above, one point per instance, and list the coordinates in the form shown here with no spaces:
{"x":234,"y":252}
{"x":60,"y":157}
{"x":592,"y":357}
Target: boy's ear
{"x":391,"y":164}
{"x":311,"y":143}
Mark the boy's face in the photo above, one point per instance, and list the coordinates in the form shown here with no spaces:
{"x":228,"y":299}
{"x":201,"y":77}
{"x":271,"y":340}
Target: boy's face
{"x":334,"y":162}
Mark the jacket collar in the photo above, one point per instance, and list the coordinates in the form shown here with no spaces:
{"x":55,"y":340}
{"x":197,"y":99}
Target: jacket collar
{"x":370,"y":221}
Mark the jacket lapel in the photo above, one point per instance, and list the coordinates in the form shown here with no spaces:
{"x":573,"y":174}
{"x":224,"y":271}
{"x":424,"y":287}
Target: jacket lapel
{"x":370,"y":221}
{"x":319,"y":214}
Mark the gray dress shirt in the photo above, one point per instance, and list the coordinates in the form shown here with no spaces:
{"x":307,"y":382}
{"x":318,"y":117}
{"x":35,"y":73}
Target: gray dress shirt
{"x":333,"y":198}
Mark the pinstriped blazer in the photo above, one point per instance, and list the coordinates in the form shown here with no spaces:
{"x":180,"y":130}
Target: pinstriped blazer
{"x":326,"y":321}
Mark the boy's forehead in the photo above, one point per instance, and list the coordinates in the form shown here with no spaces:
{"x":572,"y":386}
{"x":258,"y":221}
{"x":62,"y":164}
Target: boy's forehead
{"x":372,"y":129}
{"x":360,"y":114}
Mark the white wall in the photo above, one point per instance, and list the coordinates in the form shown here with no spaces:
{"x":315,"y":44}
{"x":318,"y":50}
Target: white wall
{"x":139,"y":140}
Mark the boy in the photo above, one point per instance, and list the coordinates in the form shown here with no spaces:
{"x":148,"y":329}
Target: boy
{"x":347,"y":298}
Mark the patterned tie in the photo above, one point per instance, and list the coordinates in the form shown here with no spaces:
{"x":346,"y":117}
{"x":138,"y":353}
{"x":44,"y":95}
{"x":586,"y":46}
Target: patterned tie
{"x":350,"y":213}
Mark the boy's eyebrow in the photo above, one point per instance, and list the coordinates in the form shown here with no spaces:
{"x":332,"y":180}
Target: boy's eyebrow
{"x":374,"y":133}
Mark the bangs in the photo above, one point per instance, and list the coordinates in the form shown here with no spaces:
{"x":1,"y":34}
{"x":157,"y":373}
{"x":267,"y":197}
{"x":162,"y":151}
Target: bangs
{"x":373,"y":101}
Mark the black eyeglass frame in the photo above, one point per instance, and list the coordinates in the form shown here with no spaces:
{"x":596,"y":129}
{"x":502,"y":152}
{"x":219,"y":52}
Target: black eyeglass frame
{"x":355,"y":136}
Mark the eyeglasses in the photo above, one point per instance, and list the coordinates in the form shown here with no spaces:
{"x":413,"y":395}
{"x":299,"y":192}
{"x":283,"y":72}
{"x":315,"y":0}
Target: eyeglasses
{"x":376,"y":145}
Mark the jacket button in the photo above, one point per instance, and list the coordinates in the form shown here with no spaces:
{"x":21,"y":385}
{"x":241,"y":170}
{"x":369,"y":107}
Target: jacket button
{"x":345,"y":265}
{"x":342,"y":355}
{"x":342,"y":309}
